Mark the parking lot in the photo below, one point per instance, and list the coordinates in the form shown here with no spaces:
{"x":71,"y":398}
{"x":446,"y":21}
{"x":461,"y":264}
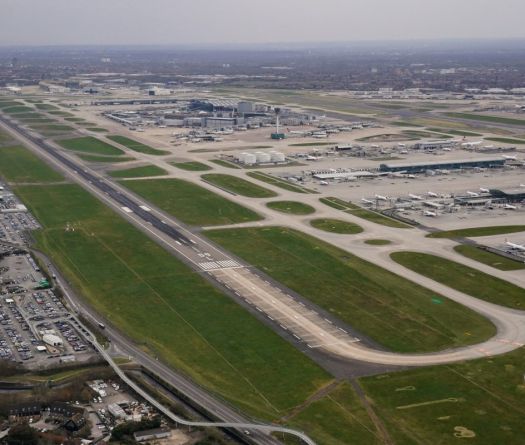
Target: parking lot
{"x":30,"y":309}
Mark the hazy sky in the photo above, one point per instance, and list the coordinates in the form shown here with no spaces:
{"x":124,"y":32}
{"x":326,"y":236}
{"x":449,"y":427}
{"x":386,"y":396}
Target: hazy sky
{"x":49,"y":22}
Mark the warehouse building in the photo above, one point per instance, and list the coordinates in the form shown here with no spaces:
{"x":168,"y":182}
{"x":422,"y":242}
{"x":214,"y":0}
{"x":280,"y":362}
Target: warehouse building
{"x":421,"y":167}
{"x":154,"y":434}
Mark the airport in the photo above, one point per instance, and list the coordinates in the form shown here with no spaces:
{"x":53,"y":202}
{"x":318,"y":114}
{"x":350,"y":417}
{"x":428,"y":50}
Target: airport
{"x":254,"y":256}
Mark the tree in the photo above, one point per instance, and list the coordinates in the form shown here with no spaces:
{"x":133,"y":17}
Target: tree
{"x":22,"y":434}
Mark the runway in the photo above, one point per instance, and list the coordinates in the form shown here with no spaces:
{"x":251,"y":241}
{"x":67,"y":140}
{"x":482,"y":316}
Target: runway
{"x":301,"y":321}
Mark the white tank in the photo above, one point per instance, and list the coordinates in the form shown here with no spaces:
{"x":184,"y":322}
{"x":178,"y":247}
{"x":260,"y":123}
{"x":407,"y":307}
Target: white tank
{"x":278,"y":157}
{"x":263,"y":158}
{"x":250,"y":159}
{"x":241,"y":157}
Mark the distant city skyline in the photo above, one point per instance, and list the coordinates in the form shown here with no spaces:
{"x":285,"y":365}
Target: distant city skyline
{"x":183,"y":22}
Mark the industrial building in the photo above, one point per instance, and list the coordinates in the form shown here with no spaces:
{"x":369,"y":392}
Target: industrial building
{"x":52,"y":340}
{"x":154,"y":434}
{"x":261,"y":157}
{"x":422,"y":167}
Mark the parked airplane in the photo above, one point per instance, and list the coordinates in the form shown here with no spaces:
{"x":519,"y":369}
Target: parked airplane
{"x":367,"y":201}
{"x":510,"y":157}
{"x":312,"y":158}
{"x":447,"y":149}
{"x":509,"y":207}
{"x":429,"y":213}
{"x":324,"y":183}
{"x":515,"y":246}
{"x":473,"y":194}
{"x":412,"y":196}
{"x":432,"y":194}
{"x":381,"y":198}
{"x":483,"y":190}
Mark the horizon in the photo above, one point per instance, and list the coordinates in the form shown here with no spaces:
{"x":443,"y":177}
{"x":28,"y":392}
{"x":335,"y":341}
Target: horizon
{"x":198,"y":22}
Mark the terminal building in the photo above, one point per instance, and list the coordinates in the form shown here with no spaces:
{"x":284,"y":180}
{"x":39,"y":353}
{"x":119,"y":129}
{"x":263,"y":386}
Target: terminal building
{"x":434,"y":145}
{"x":509,"y":195}
{"x":422,"y":167}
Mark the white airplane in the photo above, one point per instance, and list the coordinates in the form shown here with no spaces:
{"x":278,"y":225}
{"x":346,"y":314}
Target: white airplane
{"x":324,"y":183}
{"x":473,"y":194}
{"x":367,"y":201}
{"x":312,"y":158}
{"x":509,"y":157}
{"x":447,"y":149}
{"x":515,"y":246}
{"x":483,"y":190}
{"x":522,"y":185}
{"x":381,"y":198}
{"x":509,"y":207}
{"x":429,"y":213}
{"x":411,"y":195}
{"x":432,"y":194}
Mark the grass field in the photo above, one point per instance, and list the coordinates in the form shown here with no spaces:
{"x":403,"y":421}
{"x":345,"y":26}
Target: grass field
{"x":171,"y":311}
{"x":238,"y":186}
{"x":404,"y":124}
{"x":74,"y":119}
{"x":52,"y":129}
{"x":193,"y":166}
{"x":278,"y":182}
{"x":88,"y":144}
{"x":336,"y":226}
{"x":507,"y":140}
{"x":9,"y":103}
{"x":97,"y":129}
{"x":61,"y":113}
{"x":46,"y":107}
{"x":137,"y":146}
{"x":138,"y":172}
{"x":485,"y":118}
{"x":291,"y":207}
{"x":394,"y":312}
{"x":463,"y":278}
{"x":425,"y":134}
{"x":30,"y":115}
{"x":477,"y":231}
{"x":455,"y":132}
{"x":361,"y":212}
{"x":191,"y":203}
{"x":104,"y":159}
{"x":479,"y":402}
{"x":17,"y":109}
{"x":20,"y":165}
{"x":378,"y":242}
{"x":488,"y":258}
{"x":225,"y":163}
{"x":6,"y":139}
{"x":337,"y":418}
